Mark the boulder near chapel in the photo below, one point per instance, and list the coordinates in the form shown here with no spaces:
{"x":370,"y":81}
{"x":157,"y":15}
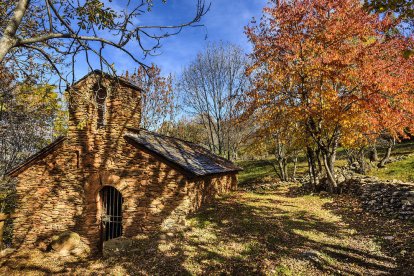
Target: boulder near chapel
{"x":108,"y":178}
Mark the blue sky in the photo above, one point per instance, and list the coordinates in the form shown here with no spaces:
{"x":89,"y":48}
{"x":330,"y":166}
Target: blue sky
{"x":224,"y":22}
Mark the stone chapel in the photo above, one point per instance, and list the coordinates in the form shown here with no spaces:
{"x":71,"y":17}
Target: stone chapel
{"x":107,"y":177}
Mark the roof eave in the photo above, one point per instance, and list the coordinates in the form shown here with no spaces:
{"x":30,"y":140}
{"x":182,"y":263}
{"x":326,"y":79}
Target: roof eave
{"x":188,"y":173}
{"x":41,"y":153}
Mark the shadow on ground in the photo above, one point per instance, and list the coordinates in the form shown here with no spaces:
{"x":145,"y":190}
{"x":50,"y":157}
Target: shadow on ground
{"x":396,"y":237}
{"x":283,"y":234}
{"x":277,"y":232}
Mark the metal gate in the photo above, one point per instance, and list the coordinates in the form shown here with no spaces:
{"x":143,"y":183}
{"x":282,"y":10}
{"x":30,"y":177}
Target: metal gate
{"x":111,"y":200}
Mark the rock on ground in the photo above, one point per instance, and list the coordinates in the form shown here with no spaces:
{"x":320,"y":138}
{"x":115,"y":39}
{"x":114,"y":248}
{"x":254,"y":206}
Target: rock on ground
{"x":67,"y":243}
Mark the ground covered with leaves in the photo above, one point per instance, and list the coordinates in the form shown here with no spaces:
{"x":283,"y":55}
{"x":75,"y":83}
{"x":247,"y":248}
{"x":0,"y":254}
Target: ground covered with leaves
{"x":274,"y":231}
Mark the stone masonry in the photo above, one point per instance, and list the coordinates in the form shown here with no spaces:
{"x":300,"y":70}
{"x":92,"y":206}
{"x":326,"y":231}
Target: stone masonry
{"x":386,"y":197}
{"x":59,"y":189}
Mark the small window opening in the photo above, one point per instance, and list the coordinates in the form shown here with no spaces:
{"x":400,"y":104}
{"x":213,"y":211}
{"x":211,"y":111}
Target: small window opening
{"x":77,"y":158}
{"x":101,"y":104}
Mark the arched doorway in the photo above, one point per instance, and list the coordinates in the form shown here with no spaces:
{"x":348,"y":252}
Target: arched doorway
{"x":111,"y":213}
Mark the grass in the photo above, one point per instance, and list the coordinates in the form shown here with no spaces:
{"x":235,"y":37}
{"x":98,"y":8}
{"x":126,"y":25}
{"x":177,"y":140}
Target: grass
{"x":402,"y":170}
{"x":257,"y":170}
{"x":278,"y":232}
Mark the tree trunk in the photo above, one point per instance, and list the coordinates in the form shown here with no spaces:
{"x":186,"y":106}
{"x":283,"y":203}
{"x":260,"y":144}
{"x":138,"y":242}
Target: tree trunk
{"x":374,"y":153}
{"x":313,"y":176}
{"x":361,"y":161}
{"x":295,"y":162}
{"x":329,"y":157}
{"x":318,"y":158}
{"x":276,"y":170}
{"x":350,"y":156}
{"x":211,"y":135}
{"x":387,"y":155}
{"x":281,"y":170}
{"x":219,"y":140}
{"x":328,"y":161}
{"x":8,"y":40}
{"x":285,"y":168}
{"x":6,"y":43}
{"x":280,"y":154}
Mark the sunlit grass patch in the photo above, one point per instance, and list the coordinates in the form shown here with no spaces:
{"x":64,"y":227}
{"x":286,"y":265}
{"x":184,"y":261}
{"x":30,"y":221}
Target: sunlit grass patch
{"x":254,"y":170}
{"x":402,"y":170}
{"x":283,"y":270}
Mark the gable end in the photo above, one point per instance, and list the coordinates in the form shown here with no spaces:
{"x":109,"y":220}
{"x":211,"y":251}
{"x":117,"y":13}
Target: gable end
{"x":40,"y":154}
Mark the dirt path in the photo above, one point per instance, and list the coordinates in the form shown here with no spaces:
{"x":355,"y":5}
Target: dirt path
{"x":275,"y":232}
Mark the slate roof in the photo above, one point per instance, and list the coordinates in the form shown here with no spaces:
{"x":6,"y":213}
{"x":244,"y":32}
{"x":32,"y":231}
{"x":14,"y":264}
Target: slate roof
{"x":191,"y":157}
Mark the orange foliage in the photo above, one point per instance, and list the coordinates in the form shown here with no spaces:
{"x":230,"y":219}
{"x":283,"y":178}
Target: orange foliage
{"x":333,"y":68}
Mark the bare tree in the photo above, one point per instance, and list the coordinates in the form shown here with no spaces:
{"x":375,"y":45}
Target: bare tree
{"x":158,"y":101}
{"x":59,"y":30}
{"x":212,"y":86}
{"x":186,"y":129}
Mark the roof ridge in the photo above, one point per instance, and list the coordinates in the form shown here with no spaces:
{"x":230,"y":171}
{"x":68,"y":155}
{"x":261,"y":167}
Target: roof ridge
{"x":192,"y":143}
{"x":120,"y":78}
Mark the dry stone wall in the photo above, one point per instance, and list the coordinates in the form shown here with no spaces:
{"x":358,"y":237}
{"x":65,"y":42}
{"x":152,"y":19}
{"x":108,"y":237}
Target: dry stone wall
{"x":49,"y":198}
{"x":386,"y":197}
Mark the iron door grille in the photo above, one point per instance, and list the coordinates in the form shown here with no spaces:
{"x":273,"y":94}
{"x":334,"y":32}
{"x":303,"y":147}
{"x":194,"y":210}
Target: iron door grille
{"x":111,"y":219}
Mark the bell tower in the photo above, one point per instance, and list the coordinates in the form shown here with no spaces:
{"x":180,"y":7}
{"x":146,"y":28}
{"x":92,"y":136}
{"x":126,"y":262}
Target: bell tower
{"x":101,"y":108}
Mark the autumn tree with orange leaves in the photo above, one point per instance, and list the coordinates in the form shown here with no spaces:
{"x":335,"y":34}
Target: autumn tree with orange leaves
{"x":333,"y":69}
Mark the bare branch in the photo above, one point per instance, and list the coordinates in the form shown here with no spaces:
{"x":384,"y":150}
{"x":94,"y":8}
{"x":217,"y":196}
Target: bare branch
{"x":64,"y":29}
